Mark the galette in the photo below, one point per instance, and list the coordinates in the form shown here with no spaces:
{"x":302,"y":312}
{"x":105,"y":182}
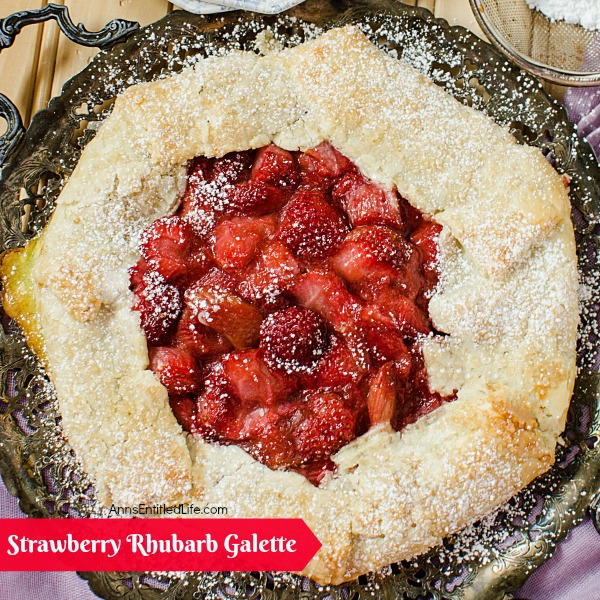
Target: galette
{"x":307,"y":284}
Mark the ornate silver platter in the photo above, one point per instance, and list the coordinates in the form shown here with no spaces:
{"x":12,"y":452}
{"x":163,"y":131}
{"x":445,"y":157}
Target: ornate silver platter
{"x":488,"y":560}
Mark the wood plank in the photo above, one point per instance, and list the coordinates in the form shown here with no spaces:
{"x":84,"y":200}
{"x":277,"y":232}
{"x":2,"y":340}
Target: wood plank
{"x":71,"y":58}
{"x":428,"y":4}
{"x":19,"y":62}
{"x":45,"y":66}
{"x":458,"y":12}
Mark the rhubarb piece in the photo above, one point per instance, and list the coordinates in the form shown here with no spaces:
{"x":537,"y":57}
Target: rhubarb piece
{"x":381,"y":401}
{"x":275,"y":271}
{"x":252,"y":381}
{"x":373,"y":253}
{"x":199,"y":339}
{"x":366,"y":203}
{"x":325,"y":161}
{"x":324,"y":292}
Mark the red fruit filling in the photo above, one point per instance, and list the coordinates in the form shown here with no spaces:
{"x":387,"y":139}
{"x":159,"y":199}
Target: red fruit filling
{"x":284,"y":302}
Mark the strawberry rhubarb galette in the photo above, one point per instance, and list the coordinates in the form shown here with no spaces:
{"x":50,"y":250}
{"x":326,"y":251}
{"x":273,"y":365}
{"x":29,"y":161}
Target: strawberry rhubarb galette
{"x":307,"y":284}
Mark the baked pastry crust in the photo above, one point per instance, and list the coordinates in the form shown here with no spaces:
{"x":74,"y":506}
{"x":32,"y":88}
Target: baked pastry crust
{"x":507,"y":299}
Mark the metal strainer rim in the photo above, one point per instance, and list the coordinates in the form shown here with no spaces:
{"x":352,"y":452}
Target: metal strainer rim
{"x":539,"y":69}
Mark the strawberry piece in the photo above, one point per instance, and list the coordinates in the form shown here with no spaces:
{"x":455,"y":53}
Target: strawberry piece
{"x":328,"y":425}
{"x":199,"y":172}
{"x":403,"y":316}
{"x":337,"y":368}
{"x":211,"y":189}
{"x":216,"y":417}
{"x":369,"y":204}
{"x":237,"y":240}
{"x":293,"y":339}
{"x":253,"y":383}
{"x":310,"y":227}
{"x":175,"y":368}
{"x":184,"y":408}
{"x":226,"y":313}
{"x":159,"y":305}
{"x":324,"y":161}
{"x":201,"y":340}
{"x":232,"y":168}
{"x":386,"y":345}
{"x":275,"y":271}
{"x":382,"y":398}
{"x":165,"y":245}
{"x":411,"y":217}
{"x":202,"y":212}
{"x":219,"y":280}
{"x":411,"y":321}
{"x":205,"y":200}
{"x":256,"y":198}
{"x":325,"y":293}
{"x":275,"y":166}
{"x":317,"y":470}
{"x":273,"y":446}
{"x":198,"y":263}
{"x":137,"y":272}
{"x":426,"y":237}
{"x":373,"y":253}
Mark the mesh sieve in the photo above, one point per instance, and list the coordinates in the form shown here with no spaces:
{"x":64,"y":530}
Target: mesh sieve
{"x":554,"y":50}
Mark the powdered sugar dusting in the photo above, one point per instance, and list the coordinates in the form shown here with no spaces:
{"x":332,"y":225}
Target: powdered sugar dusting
{"x":506,"y":478}
{"x":579,"y":12}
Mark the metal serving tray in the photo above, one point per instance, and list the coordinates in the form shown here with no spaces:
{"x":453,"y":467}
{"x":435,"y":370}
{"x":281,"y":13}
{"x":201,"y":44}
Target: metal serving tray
{"x":489,"y":559}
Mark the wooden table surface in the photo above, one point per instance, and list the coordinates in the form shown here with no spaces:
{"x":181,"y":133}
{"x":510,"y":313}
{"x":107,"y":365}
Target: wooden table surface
{"x":35,"y":67}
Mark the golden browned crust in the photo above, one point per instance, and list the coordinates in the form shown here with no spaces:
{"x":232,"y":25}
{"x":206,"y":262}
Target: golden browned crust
{"x":507,"y":300}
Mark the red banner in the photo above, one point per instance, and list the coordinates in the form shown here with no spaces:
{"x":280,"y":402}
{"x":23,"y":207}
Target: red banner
{"x":155,"y":544}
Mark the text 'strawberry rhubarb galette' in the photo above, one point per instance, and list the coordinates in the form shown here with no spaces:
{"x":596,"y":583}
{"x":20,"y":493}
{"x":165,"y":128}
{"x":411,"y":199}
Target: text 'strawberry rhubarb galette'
{"x":308,"y":284}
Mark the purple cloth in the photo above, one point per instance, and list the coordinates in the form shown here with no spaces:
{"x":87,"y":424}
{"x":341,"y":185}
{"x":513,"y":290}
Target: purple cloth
{"x":24,"y":585}
{"x":573,"y":573}
{"x":583,"y":108}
